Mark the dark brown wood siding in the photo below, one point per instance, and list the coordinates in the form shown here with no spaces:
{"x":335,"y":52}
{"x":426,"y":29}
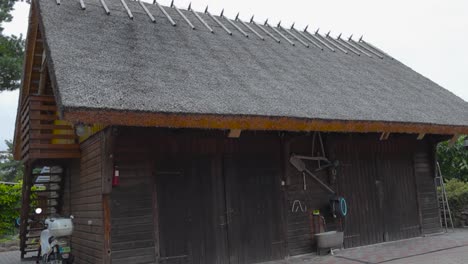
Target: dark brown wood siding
{"x":83,"y":199}
{"x":377,"y":177}
{"x":132,"y":223}
{"x":424,"y":166}
{"x":191,"y":216}
{"x":383,"y":181}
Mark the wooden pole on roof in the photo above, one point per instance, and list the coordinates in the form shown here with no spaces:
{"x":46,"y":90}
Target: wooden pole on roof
{"x":199,"y":18}
{"x":249,"y":27}
{"x":173,"y":23}
{"x":104,"y":5}
{"x":129,"y":12}
{"x":279,"y":33}
{"x":294,"y":36}
{"x":234,"y":25}
{"x":264,"y":30}
{"x":147,"y":11}
{"x":182,"y":15}
{"x":82,"y":4}
{"x":217,"y":21}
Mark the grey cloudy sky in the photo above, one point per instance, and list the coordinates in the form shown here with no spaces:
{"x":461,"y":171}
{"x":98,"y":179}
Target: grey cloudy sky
{"x":430,"y":36}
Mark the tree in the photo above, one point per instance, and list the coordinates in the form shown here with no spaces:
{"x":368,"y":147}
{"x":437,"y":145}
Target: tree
{"x":10,"y":169}
{"x":11,"y":51}
{"x":453,"y":160}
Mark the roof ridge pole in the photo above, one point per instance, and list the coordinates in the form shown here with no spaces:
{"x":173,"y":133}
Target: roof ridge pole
{"x":182,"y":15}
{"x":366,"y":48}
{"x":344,"y":44}
{"x":315,"y":37}
{"x":147,"y":11}
{"x":317,"y":34}
{"x":278,"y":32}
{"x":129,"y":12}
{"x":383,"y":53}
{"x":165,"y":13}
{"x":234,"y":25}
{"x":292,"y":35}
{"x":82,"y":4}
{"x":103,"y":3}
{"x":264,"y":30}
{"x":249,"y":27}
{"x":351,"y":43}
{"x":217,"y":21}
{"x":199,"y":18}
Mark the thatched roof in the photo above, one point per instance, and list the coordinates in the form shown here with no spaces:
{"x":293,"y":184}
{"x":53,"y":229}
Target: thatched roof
{"x":112,"y":63}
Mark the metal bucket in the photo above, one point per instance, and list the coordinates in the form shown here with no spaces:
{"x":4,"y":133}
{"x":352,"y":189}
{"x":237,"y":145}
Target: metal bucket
{"x":329,"y":240}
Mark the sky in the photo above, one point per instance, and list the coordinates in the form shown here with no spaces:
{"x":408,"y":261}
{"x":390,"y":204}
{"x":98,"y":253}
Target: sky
{"x":430,"y":36}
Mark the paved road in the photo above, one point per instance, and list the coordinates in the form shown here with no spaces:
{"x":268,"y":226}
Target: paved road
{"x":450,"y":248}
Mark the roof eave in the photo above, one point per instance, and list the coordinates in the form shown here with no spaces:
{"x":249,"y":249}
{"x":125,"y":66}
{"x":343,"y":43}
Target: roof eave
{"x":249,"y":122}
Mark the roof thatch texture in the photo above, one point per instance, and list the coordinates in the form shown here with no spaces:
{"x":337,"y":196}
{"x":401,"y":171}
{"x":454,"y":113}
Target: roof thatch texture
{"x":110,"y":62}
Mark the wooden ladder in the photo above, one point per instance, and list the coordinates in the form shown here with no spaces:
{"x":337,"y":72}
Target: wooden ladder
{"x":444,"y":207}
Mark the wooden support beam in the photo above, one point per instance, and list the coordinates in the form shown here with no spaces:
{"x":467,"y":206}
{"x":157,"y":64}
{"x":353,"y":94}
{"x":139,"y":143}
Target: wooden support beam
{"x":453,"y":140}
{"x":106,"y":219}
{"x":107,"y":159}
{"x":421,"y":136}
{"x":234,"y":133}
{"x":384,"y":135}
{"x":43,"y":76}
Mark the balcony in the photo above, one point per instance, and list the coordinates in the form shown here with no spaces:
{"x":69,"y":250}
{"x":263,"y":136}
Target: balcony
{"x":43,"y":135}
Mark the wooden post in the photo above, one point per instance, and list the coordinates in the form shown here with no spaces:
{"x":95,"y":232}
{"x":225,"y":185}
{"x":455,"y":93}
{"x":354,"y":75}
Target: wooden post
{"x":107,"y":172}
{"x":107,"y":159}
{"x":25,"y":204}
{"x":107,"y":253}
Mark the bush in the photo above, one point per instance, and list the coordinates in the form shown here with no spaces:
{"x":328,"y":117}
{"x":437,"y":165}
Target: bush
{"x":457,"y":194}
{"x":10,"y":202}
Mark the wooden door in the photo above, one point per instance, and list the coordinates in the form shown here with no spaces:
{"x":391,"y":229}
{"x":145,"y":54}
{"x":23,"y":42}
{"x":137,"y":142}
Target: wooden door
{"x":253,"y":208}
{"x":192,"y":226}
{"x":400,"y":210}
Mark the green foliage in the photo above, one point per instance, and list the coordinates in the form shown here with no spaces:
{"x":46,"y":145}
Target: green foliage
{"x":457,"y":194}
{"x":6,"y":6}
{"x":11,"y":62}
{"x":10,"y":203}
{"x":11,"y":51}
{"x":10,"y":169}
{"x":453,"y":160}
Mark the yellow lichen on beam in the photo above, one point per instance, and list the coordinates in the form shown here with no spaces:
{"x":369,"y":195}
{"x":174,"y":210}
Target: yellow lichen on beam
{"x":234,"y":133}
{"x":207,"y":121}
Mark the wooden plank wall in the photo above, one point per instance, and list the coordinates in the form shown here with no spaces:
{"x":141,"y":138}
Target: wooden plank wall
{"x":132,"y":234}
{"x":385,"y":183}
{"x":376,"y":177}
{"x":83,"y":199}
{"x":132,"y":214}
{"x":299,"y":233}
{"x":424,"y":166}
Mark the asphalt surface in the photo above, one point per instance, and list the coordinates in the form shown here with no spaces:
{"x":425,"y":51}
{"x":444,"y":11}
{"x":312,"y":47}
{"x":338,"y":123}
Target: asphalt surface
{"x":448,"y":248}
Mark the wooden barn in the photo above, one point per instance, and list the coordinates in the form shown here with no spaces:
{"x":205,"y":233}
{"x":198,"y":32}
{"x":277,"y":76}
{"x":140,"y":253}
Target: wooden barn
{"x":169,"y":135}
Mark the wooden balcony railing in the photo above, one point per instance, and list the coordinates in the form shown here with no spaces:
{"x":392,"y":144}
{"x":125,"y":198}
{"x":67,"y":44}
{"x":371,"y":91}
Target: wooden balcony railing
{"x":43,"y":135}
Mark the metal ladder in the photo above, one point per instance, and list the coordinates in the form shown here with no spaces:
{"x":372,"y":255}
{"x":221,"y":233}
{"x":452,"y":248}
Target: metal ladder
{"x":442,"y":199}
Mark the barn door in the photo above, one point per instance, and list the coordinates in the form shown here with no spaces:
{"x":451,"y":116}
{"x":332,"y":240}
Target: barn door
{"x":400,"y":201}
{"x":191,"y":208}
{"x":253,"y":208}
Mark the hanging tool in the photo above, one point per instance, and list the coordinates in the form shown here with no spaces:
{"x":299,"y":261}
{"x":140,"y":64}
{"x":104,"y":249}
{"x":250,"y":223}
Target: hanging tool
{"x":301,"y":166}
